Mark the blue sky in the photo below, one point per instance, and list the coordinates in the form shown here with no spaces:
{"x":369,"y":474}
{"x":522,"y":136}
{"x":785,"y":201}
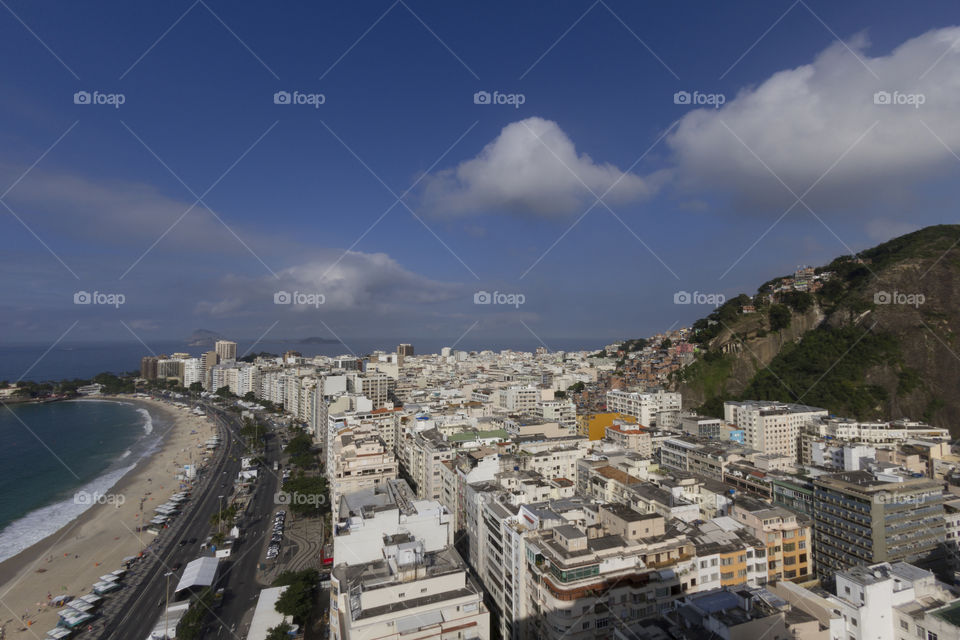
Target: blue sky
{"x":399,"y":197}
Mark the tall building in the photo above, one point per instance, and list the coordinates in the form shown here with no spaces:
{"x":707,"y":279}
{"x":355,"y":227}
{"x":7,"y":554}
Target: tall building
{"x":170,"y":369}
{"x":860,"y":519}
{"x":192,"y":372}
{"x":405,"y":350}
{"x":771,"y":427}
{"x":226,"y":350}
{"x":207,"y":362}
{"x":360,"y":461}
{"x":148,"y":367}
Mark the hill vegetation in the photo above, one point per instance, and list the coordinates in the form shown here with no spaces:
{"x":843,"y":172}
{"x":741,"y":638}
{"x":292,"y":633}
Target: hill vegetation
{"x":878,"y":339}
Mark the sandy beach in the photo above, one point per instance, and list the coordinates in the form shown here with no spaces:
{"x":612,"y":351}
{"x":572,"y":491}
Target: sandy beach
{"x":72,"y":559}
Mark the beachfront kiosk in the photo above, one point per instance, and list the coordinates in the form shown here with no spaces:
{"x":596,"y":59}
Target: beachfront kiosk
{"x":197,"y":575}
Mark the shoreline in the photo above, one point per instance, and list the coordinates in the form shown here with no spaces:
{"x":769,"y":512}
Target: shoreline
{"x":69,"y":561}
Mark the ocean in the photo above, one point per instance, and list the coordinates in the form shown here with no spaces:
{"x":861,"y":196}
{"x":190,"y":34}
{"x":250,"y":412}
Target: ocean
{"x":53,"y":452}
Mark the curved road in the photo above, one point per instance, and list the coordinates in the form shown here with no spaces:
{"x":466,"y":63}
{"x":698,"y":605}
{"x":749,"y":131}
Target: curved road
{"x":142,"y":609}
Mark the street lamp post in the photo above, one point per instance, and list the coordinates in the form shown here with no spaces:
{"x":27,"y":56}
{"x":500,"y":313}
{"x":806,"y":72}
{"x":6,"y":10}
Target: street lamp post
{"x":166,"y":594}
{"x":220,"y":517}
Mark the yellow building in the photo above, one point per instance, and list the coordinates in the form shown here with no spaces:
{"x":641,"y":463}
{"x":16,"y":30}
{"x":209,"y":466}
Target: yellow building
{"x":594,"y":425}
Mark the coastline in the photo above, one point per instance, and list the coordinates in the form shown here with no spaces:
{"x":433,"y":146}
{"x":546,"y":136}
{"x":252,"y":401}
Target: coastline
{"x":70,"y":560}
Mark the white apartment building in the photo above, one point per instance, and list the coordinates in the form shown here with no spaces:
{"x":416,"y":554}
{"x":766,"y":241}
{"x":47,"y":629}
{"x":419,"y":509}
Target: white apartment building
{"x":658,"y":408}
{"x":271,"y":385}
{"x":875,"y":432}
{"x":771,"y":427}
{"x":561,"y":411}
{"x":192,"y":371}
{"x":360,"y":461}
{"x":897,"y":601}
{"x":364,"y":518}
{"x":845,"y":456}
{"x":240,"y":378}
{"x":423,"y":454}
{"x":372,"y":384}
{"x":518,"y":399}
{"x":407,"y":593}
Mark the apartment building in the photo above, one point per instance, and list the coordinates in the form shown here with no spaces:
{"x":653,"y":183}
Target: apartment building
{"x":423,"y":455}
{"x":738,"y":614}
{"x":170,"y":369}
{"x":630,"y":437}
{"x":226,"y":351}
{"x":208,"y":361}
{"x":771,"y":428}
{"x":702,"y":426}
{"x":833,"y":454}
{"x":362,"y":519}
{"x":600,"y":581}
{"x":894,"y":600}
{"x":377,"y":386}
{"x":239,"y":378}
{"x":862,"y":519}
{"x":728,"y":554}
{"x":876,"y":432}
{"x":659,"y":408}
{"x":192,"y":372}
{"x":563,"y":412}
{"x":148,"y":367}
{"x":360,"y":460}
{"x":409,"y":592}
{"x":702,"y":456}
{"x":788,"y":537}
{"x":594,"y":425}
{"x":517,"y":399}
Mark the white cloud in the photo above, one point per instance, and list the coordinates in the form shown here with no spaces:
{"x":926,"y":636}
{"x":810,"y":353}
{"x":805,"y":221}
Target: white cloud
{"x":358,"y":282}
{"x":532,"y":167}
{"x":803,"y":120}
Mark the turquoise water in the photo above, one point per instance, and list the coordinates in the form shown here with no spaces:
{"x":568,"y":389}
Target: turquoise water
{"x":52,"y":451}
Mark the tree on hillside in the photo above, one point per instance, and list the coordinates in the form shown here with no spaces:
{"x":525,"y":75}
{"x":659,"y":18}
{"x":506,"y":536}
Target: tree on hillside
{"x":779,"y":317}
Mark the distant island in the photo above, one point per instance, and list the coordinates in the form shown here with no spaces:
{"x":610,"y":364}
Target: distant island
{"x":203,"y":338}
{"x":317,"y":340}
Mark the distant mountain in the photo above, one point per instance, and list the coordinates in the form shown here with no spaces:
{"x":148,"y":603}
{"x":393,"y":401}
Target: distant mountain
{"x":203,"y":338}
{"x":879,"y":338}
